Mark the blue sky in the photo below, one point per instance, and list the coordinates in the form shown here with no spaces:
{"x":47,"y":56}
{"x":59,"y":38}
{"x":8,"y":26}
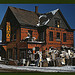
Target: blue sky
{"x":68,"y":10}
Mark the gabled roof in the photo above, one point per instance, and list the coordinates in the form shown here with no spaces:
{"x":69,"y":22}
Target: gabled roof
{"x":46,"y":17}
{"x":64,"y":19}
{"x":24,"y":16}
{"x":53,"y":13}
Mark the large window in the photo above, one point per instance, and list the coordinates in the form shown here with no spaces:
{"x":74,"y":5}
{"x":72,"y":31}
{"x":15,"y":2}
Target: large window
{"x":36,"y":49}
{"x":58,"y":35}
{"x":22,"y":53}
{"x":57,"y":23}
{"x":11,"y":37}
{"x":64,"y":37}
{"x":9,"y":53}
{"x":15,"y":36}
{"x":42,"y":36}
{"x":51,"y":36}
{"x":30,"y":33}
{"x":15,"y":53}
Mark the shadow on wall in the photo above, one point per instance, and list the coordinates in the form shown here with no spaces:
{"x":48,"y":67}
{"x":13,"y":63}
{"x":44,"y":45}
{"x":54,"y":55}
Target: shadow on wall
{"x":2,"y":52}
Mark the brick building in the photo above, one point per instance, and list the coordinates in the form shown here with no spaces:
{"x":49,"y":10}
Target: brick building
{"x":24,"y":31}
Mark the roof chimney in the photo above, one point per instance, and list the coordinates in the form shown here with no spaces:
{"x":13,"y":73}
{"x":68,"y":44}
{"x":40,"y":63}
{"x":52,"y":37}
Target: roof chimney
{"x":36,"y":9}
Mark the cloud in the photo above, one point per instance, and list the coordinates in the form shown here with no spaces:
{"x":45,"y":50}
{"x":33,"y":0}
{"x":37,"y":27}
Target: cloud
{"x":0,"y":40}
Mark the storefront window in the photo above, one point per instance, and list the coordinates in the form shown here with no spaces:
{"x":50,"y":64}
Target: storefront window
{"x":9,"y":53}
{"x":15,"y":53}
{"x":22,"y":54}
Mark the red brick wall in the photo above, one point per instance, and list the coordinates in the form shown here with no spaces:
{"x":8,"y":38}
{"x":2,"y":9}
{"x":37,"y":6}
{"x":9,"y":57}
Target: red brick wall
{"x":24,"y":32}
{"x":54,"y":43}
{"x":41,"y":46}
{"x":30,"y":46}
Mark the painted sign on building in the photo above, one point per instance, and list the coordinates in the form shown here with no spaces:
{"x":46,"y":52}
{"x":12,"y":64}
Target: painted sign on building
{"x":8,"y":31}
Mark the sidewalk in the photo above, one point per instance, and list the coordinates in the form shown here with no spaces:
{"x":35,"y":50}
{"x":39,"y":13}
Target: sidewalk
{"x":39,"y":69}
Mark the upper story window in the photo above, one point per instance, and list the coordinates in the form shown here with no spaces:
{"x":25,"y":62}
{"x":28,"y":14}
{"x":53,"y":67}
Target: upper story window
{"x":11,"y":37}
{"x":58,"y":35}
{"x":42,"y":36}
{"x":57,"y":23}
{"x":30,"y":33}
{"x":15,"y":36}
{"x":64,"y":37}
{"x":36,"y":49}
{"x":51,"y":36}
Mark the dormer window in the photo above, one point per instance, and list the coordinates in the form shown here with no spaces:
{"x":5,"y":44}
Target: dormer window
{"x":57,"y":23}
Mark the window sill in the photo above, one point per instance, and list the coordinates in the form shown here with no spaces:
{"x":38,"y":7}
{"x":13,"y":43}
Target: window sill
{"x":50,"y":40}
{"x":58,"y":40}
{"x":14,"y":39}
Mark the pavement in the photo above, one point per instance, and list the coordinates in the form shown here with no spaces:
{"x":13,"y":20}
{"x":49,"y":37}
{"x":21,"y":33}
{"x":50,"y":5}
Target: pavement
{"x":13,"y":71}
{"x":9,"y":68}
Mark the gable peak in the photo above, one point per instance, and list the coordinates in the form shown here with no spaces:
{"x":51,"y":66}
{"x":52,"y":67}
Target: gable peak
{"x":54,"y":11}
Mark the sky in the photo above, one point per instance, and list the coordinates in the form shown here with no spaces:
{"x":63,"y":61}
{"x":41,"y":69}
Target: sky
{"x":68,"y":11}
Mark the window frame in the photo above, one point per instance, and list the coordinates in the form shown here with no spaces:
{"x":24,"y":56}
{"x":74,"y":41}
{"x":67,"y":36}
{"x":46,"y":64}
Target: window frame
{"x":57,"y":22}
{"x":51,"y":37}
{"x":37,"y":49}
{"x":10,"y":53}
{"x":64,"y":38}
{"x":15,"y":35}
{"x":42,"y":36}
{"x":58,"y":34}
{"x":30,"y":32}
{"x":15,"y":53}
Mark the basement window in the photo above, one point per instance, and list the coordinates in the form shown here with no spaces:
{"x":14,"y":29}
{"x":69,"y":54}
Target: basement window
{"x":64,"y":37}
{"x":51,"y":36}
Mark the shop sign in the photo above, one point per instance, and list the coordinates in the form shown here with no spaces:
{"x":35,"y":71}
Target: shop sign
{"x":8,"y":32}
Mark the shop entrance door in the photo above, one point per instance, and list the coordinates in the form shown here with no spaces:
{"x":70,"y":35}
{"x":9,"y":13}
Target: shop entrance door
{"x":22,"y":53}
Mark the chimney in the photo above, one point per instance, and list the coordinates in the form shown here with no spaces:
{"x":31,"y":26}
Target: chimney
{"x":36,"y":9}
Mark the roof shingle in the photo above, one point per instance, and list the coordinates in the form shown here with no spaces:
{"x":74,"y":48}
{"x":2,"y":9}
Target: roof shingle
{"x":24,"y":16}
